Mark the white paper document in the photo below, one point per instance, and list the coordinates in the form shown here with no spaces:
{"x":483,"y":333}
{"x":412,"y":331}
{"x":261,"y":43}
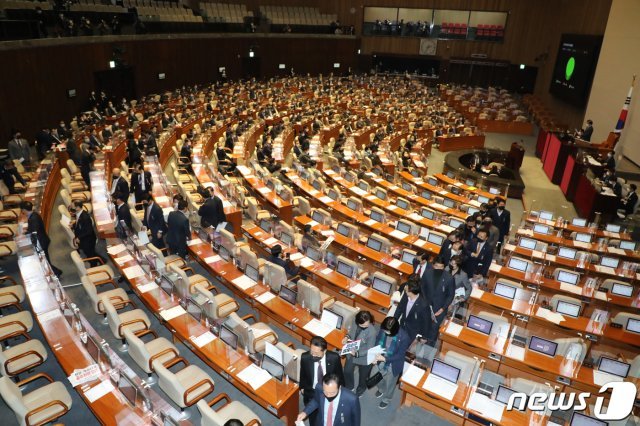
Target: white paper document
{"x":296,"y":256}
{"x":318,"y":328}
{"x":398,"y":234}
{"x":254,"y":376}
{"x":212,"y":259}
{"x":515,"y":352}
{"x":124,"y":259}
{"x":487,"y":407}
{"x":412,"y":374}
{"x":265,"y":297}
{"x":326,"y":271}
{"x":270,"y":241}
{"x":454,"y":329}
{"x":325,"y":199}
{"x":476,"y":293}
{"x":373,"y":353}
{"x":203,"y":339}
{"x":553,"y":317}
{"x":145,"y":288}
{"x":133,"y":272}
{"x":395,"y":263}
{"x":306,"y":262}
{"x":370,"y":222}
{"x":98,"y":391}
{"x":171,"y":313}
{"x":357,"y":288}
{"x":605,"y":269}
{"x":601,"y":377}
{"x":113,"y":250}
{"x":440,"y":386}
{"x":194,"y":242}
{"x":264,"y":190}
{"x":244,"y":282}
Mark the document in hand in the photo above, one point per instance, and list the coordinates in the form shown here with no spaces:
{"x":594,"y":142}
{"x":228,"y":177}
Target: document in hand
{"x":373,"y":352}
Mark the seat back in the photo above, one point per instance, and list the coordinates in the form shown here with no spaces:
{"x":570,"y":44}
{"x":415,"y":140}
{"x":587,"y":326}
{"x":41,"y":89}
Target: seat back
{"x":240,"y":327}
{"x":520,"y":384}
{"x":66,"y":198}
{"x":169,"y":383}
{"x":623,"y":317}
{"x":291,"y":358}
{"x":387,"y":278}
{"x":634,"y":371}
{"x":355,"y":202}
{"x":380,"y":193}
{"x":571,"y":348}
{"x":380,"y":212}
{"x":182,"y":284}
{"x":609,"y":282}
{"x":113,"y":319}
{"x":465,"y":363}
{"x":228,"y":241}
{"x":500,"y":324}
{"x":91,"y":291}
{"x":13,"y":397}
{"x":137,"y":350}
{"x":210,"y":417}
{"x":63,"y":211}
{"x":248,"y":257}
{"x":352,"y":231}
{"x":310,"y":296}
{"x":77,"y":260}
{"x":413,"y":228}
{"x":348,"y":314}
{"x":274,"y":276}
{"x":304,"y":207}
{"x":72,"y":166}
{"x":253,"y":208}
{"x":354,"y":265}
{"x":326,"y":216}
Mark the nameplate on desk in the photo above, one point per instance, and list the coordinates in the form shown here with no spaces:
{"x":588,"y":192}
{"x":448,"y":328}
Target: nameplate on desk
{"x":81,"y":376}
{"x":244,"y":282}
{"x":454,"y":329}
{"x":145,"y":288}
{"x":357,"y":288}
{"x":487,"y":407}
{"x":133,"y":272}
{"x":515,"y":352}
{"x":270,"y":241}
{"x":441,"y":387}
{"x":98,"y":391}
{"x":171,"y":313}
{"x":212,"y":259}
{"x":265,"y":297}
{"x":318,"y":328}
{"x":203,"y":339}
{"x":194,"y":242}
{"x":412,"y":374}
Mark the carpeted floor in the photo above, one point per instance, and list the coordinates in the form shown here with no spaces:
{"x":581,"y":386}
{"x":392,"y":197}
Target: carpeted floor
{"x":539,"y":193}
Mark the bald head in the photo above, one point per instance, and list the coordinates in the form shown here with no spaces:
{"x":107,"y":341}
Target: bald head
{"x":116,"y":172}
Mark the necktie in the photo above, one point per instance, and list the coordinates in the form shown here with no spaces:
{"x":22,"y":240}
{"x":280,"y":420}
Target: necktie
{"x":148,"y":213}
{"x":142,"y":181}
{"x":329,"y":420}
{"x":319,"y":372}
{"x":420,"y":271}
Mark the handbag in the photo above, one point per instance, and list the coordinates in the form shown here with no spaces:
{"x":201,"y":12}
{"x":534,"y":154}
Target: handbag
{"x":373,"y":380}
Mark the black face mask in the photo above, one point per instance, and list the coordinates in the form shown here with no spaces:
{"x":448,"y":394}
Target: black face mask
{"x":331,"y":398}
{"x":316,"y":358}
{"x":500,"y":208}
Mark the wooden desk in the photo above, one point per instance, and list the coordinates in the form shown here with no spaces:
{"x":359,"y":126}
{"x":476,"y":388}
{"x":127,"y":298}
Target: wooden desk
{"x":567,"y":226}
{"x":283,"y":209}
{"x":469,"y":189}
{"x":456,"y":143}
{"x":499,"y":126}
{"x":438,"y":190}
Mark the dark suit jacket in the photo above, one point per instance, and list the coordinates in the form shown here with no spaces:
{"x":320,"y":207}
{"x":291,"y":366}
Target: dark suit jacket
{"x":122,"y":187}
{"x":177,"y":230}
{"x":83,"y":229}
{"x":347,"y":408}
{"x":133,"y":151}
{"x":440,"y":294}
{"x":445,"y":252}
{"x":478,"y":265}
{"x":586,"y":133}
{"x":124,"y":214}
{"x":154,"y":220}
{"x":36,"y":224}
{"x":307,"y":372}
{"x":212,"y":212}
{"x":396,"y":360}
{"x":136,"y":187}
{"x":423,"y":278}
{"x":419,"y":318}
{"x":502,"y":222}
{"x":631,"y":203}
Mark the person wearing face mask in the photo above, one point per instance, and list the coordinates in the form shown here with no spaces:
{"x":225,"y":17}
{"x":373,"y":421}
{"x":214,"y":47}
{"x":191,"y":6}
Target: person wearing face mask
{"x":445,"y":250}
{"x":85,"y":236}
{"x":119,"y":185}
{"x":479,"y":256}
{"x":421,"y":266}
{"x":19,"y":149}
{"x":395,"y":341}
{"x":470,"y":229}
{"x":460,"y":279}
{"x":123,"y":216}
{"x":501,"y":218}
{"x":153,"y":220}
{"x":314,"y":365}
{"x":439,"y":293}
{"x":492,"y":231}
{"x":141,"y":183}
{"x":176,"y":199}
{"x":332,"y":405}
{"x":86,"y":163}
{"x":366,"y":333}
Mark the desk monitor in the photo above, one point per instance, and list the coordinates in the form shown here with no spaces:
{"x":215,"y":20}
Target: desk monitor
{"x":445,"y":371}
{"x":455,"y":190}
{"x":578,"y":221}
{"x":570,"y":309}
{"x":455,"y":223}
{"x":344,"y":230}
{"x":432,"y":181}
{"x":582,"y":420}
{"x":613,"y":366}
{"x":627,"y":245}
{"x":304,"y":175}
{"x":472,"y":210}
{"x":348,"y":177}
{"x":317,"y":216}
{"x":93,"y":348}
{"x":493,"y":190}
{"x":229,"y":337}
{"x":345,"y":269}
{"x":528,"y":243}
{"x":363,"y":185}
{"x":504,"y":394}
{"x":582,"y":237}
{"x":316,"y":185}
{"x":407,"y":257}
{"x":426,"y":195}
{"x":435,"y":239}
{"x":224,"y":253}
{"x":482,"y":199}
{"x":374,"y":244}
{"x":407,"y":187}
{"x":415,"y":173}
{"x":448,"y":202}
{"x":331,"y":319}
{"x":518,"y":264}
{"x":313,"y":253}
{"x":620,"y":289}
{"x":333,"y":194}
{"x":546,"y":215}
{"x":633,"y":325}
{"x":568,"y":277}
{"x":251,"y":272}
{"x":451,"y":175}
{"x":541,"y":229}
{"x":403,"y":204}
{"x":128,"y":389}
{"x":377,"y":216}
{"x":479,"y":324}
{"x":352,"y":205}
{"x":505,"y":290}
{"x":612,"y":228}
{"x":288,"y":295}
{"x":429,"y":214}
{"x":286,"y":239}
{"x":273,"y":367}
{"x":567,"y":252}
{"x":470,"y":182}
{"x":265,"y":225}
{"x":543,"y":346}
{"x":611,"y":262}
{"x":403,"y":227}
{"x":270,"y":185}
{"x":381,"y":285}
{"x":381,"y":194}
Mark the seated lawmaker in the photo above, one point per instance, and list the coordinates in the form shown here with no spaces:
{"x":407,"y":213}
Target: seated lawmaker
{"x":279,"y":258}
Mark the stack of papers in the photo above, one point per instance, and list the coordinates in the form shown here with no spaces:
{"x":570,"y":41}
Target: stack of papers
{"x":325,"y":199}
{"x":270,"y":241}
{"x":370,"y":222}
{"x":133,"y":272}
{"x":412,"y":374}
{"x":254,"y":376}
{"x":395,"y":263}
{"x":98,"y":391}
{"x":194,"y":242}
{"x":306,"y":262}
{"x":454,"y":329}
{"x":212,"y":259}
{"x":553,"y":317}
{"x":265,"y":297}
{"x":124,"y":259}
{"x":296,"y":256}
{"x":326,"y":271}
{"x":203,"y":339}
{"x":318,"y":328}
{"x":113,"y":250}
{"x":398,"y":234}
{"x":171,"y":313}
{"x":357,"y":289}
{"x":244,"y":282}
{"x":515,"y":352}
{"x":488,"y":408}
{"x":145,"y":288}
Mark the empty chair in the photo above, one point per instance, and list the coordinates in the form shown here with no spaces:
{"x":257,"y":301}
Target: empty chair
{"x":189,"y":282}
{"x":251,"y":337}
{"x":275,"y":276}
{"x":229,"y":410}
{"x":623,"y":317}
{"x":9,"y":199}
{"x":144,"y":354}
{"x":172,"y":259}
{"x":465,"y":363}
{"x":38,"y":407}
{"x":350,"y":230}
{"x":228,"y":241}
{"x":185,"y":387}
{"x":22,"y":357}
{"x":520,"y":384}
{"x":118,"y":296}
{"x":412,"y":227}
{"x":135,"y":320}
{"x":98,"y":275}
{"x":248,"y":257}
{"x":11,"y":295}
{"x":216,"y":306}
{"x":393,"y":283}
{"x":379,"y":214}
{"x":304,"y":207}
{"x":8,"y":215}
{"x":255,"y":212}
{"x":354,"y":204}
{"x":500,"y":325}
{"x":18,"y":324}
{"x":562,"y":298}
{"x":291,"y":357}
{"x":312,"y":298}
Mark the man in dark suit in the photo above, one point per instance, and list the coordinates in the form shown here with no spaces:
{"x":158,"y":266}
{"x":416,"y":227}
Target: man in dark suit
{"x":212,"y":210}
{"x":445,"y":250}
{"x":123,"y":216}
{"x":440,"y":290}
{"x":629,"y":202}
{"x":332,"y":405}
{"x":35,"y":224}
{"x":314,"y":365}
{"x":480,"y":255}
{"x":119,"y":185}
{"x":141,"y":183}
{"x":178,"y":230}
{"x":277,"y":258}
{"x":19,"y":149}
{"x":501,"y":218}
{"x":413,"y":310}
{"x":9,"y":175}
{"x":134,"y":154}
{"x":585,"y":134}
{"x":86,"y":162}
{"x":44,"y":141}
{"x":420,"y":267}
{"x":154,"y":221}
{"x":85,"y":236}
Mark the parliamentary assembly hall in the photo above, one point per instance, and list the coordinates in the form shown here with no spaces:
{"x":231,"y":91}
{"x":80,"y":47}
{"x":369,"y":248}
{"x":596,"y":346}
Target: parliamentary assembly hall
{"x":319,"y":212}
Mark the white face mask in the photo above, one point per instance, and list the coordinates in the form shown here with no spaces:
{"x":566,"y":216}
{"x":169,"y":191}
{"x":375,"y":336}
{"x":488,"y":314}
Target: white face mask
{"x":175,"y":206}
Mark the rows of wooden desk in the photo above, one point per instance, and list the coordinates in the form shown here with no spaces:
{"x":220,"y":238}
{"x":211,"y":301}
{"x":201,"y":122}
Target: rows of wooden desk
{"x":270,"y":199}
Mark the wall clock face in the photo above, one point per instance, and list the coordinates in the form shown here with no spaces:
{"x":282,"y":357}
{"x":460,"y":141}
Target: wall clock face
{"x":428,"y":46}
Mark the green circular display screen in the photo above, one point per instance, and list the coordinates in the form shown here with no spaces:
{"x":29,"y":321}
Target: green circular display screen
{"x":571,"y":66}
